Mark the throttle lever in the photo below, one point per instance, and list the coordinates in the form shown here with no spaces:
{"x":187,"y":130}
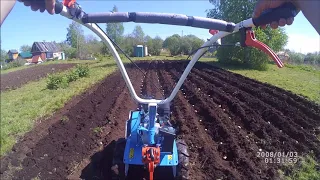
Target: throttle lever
{"x":250,"y":40}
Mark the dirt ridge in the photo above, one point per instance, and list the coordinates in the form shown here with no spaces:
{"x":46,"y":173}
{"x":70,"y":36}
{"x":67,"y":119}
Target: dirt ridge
{"x":225,"y":119}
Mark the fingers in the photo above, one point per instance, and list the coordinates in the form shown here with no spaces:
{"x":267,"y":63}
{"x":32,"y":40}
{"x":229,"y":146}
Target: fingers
{"x":42,"y":9}
{"x":263,"y":5}
{"x":35,"y":6}
{"x":274,"y":25}
{"x":290,"y":20}
{"x":42,"y":5}
{"x":282,"y":22}
{"x":50,"y":6}
{"x":27,"y":3}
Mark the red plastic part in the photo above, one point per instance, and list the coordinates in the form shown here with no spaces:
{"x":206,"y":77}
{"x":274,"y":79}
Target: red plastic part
{"x":149,"y":161}
{"x":253,"y":42}
{"x":213,"y":32}
{"x":69,"y":3}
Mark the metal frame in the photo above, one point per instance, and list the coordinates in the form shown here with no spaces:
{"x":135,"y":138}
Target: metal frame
{"x":134,"y":144}
{"x":92,"y":26}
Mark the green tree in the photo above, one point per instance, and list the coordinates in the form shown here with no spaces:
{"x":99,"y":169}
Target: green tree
{"x":75,"y":38}
{"x":93,"y":46}
{"x":173,"y":44}
{"x":115,"y":30}
{"x":128,"y":43}
{"x":185,"y":45}
{"x":149,"y":42}
{"x":156,"y":46}
{"x":236,"y":11}
{"x":195,"y":42}
{"x":138,"y":34}
{"x":311,"y":58}
{"x":3,"y":56}
{"x":25,"y":48}
{"x":296,"y":58}
{"x":69,"y":51}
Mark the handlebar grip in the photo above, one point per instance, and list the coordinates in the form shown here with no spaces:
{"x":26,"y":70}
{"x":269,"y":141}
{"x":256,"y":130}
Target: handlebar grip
{"x":286,"y":10}
{"x":58,"y":7}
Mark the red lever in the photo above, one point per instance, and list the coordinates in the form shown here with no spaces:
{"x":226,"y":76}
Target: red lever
{"x":253,"y":42}
{"x":213,"y":32}
{"x":69,"y":3}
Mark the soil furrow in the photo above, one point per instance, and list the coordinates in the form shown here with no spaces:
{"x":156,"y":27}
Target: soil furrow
{"x":224,"y":118}
{"x":223,"y":130}
{"x":188,"y":123}
{"x":293,"y":130}
{"x":258,"y":93}
{"x":274,"y":92}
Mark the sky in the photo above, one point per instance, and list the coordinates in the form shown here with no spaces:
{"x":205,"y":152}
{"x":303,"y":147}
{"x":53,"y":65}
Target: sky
{"x":24,"y":26}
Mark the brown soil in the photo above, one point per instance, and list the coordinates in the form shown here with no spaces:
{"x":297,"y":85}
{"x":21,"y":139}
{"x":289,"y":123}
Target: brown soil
{"x":225,"y":119}
{"x":16,"y":79}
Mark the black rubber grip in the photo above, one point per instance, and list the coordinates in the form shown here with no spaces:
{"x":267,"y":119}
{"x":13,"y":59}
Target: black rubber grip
{"x":286,"y":10}
{"x":58,"y":7}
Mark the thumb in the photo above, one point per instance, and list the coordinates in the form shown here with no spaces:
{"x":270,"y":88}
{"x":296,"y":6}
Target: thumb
{"x":50,"y":6}
{"x":259,"y":8}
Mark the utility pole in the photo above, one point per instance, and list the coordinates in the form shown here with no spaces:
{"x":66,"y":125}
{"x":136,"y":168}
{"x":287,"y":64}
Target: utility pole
{"x":78,"y":46}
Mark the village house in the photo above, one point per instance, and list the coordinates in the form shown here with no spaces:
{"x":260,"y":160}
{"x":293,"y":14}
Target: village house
{"x":42,"y":51}
{"x":12,"y":55}
{"x":26,"y":56}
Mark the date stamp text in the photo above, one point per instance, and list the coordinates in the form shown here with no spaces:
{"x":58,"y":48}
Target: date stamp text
{"x":278,"y":157}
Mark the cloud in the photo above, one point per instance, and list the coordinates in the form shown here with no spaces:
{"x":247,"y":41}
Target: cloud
{"x":303,"y":43}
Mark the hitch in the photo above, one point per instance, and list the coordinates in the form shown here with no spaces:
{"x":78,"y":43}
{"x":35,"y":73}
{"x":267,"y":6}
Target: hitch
{"x":151,"y":157}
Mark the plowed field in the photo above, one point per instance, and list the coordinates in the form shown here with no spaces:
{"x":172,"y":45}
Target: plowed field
{"x":226,"y":119}
{"x":16,"y":79}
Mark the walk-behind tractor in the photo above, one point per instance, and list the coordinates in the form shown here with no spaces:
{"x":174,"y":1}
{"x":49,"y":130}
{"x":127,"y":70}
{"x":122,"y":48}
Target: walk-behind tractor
{"x":150,"y":139}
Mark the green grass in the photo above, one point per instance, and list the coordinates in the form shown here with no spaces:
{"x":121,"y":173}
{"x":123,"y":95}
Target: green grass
{"x":97,"y":130}
{"x":305,"y":170}
{"x":14,"y":69}
{"x":301,"y":80}
{"x":46,"y":63}
{"x":22,"y":107}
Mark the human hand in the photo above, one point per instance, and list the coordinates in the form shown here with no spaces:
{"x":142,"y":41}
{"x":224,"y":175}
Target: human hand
{"x":40,"y":4}
{"x":263,"y":5}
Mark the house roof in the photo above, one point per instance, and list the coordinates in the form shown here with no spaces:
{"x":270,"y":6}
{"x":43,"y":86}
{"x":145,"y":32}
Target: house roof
{"x":45,"y":47}
{"x":25,"y":54}
{"x":13,"y":51}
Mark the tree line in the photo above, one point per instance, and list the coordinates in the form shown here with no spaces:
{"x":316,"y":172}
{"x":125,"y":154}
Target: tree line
{"x":77,"y":45}
{"x":299,"y":58}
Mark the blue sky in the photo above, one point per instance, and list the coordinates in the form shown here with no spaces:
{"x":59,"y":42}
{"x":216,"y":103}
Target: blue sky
{"x":24,"y":26}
